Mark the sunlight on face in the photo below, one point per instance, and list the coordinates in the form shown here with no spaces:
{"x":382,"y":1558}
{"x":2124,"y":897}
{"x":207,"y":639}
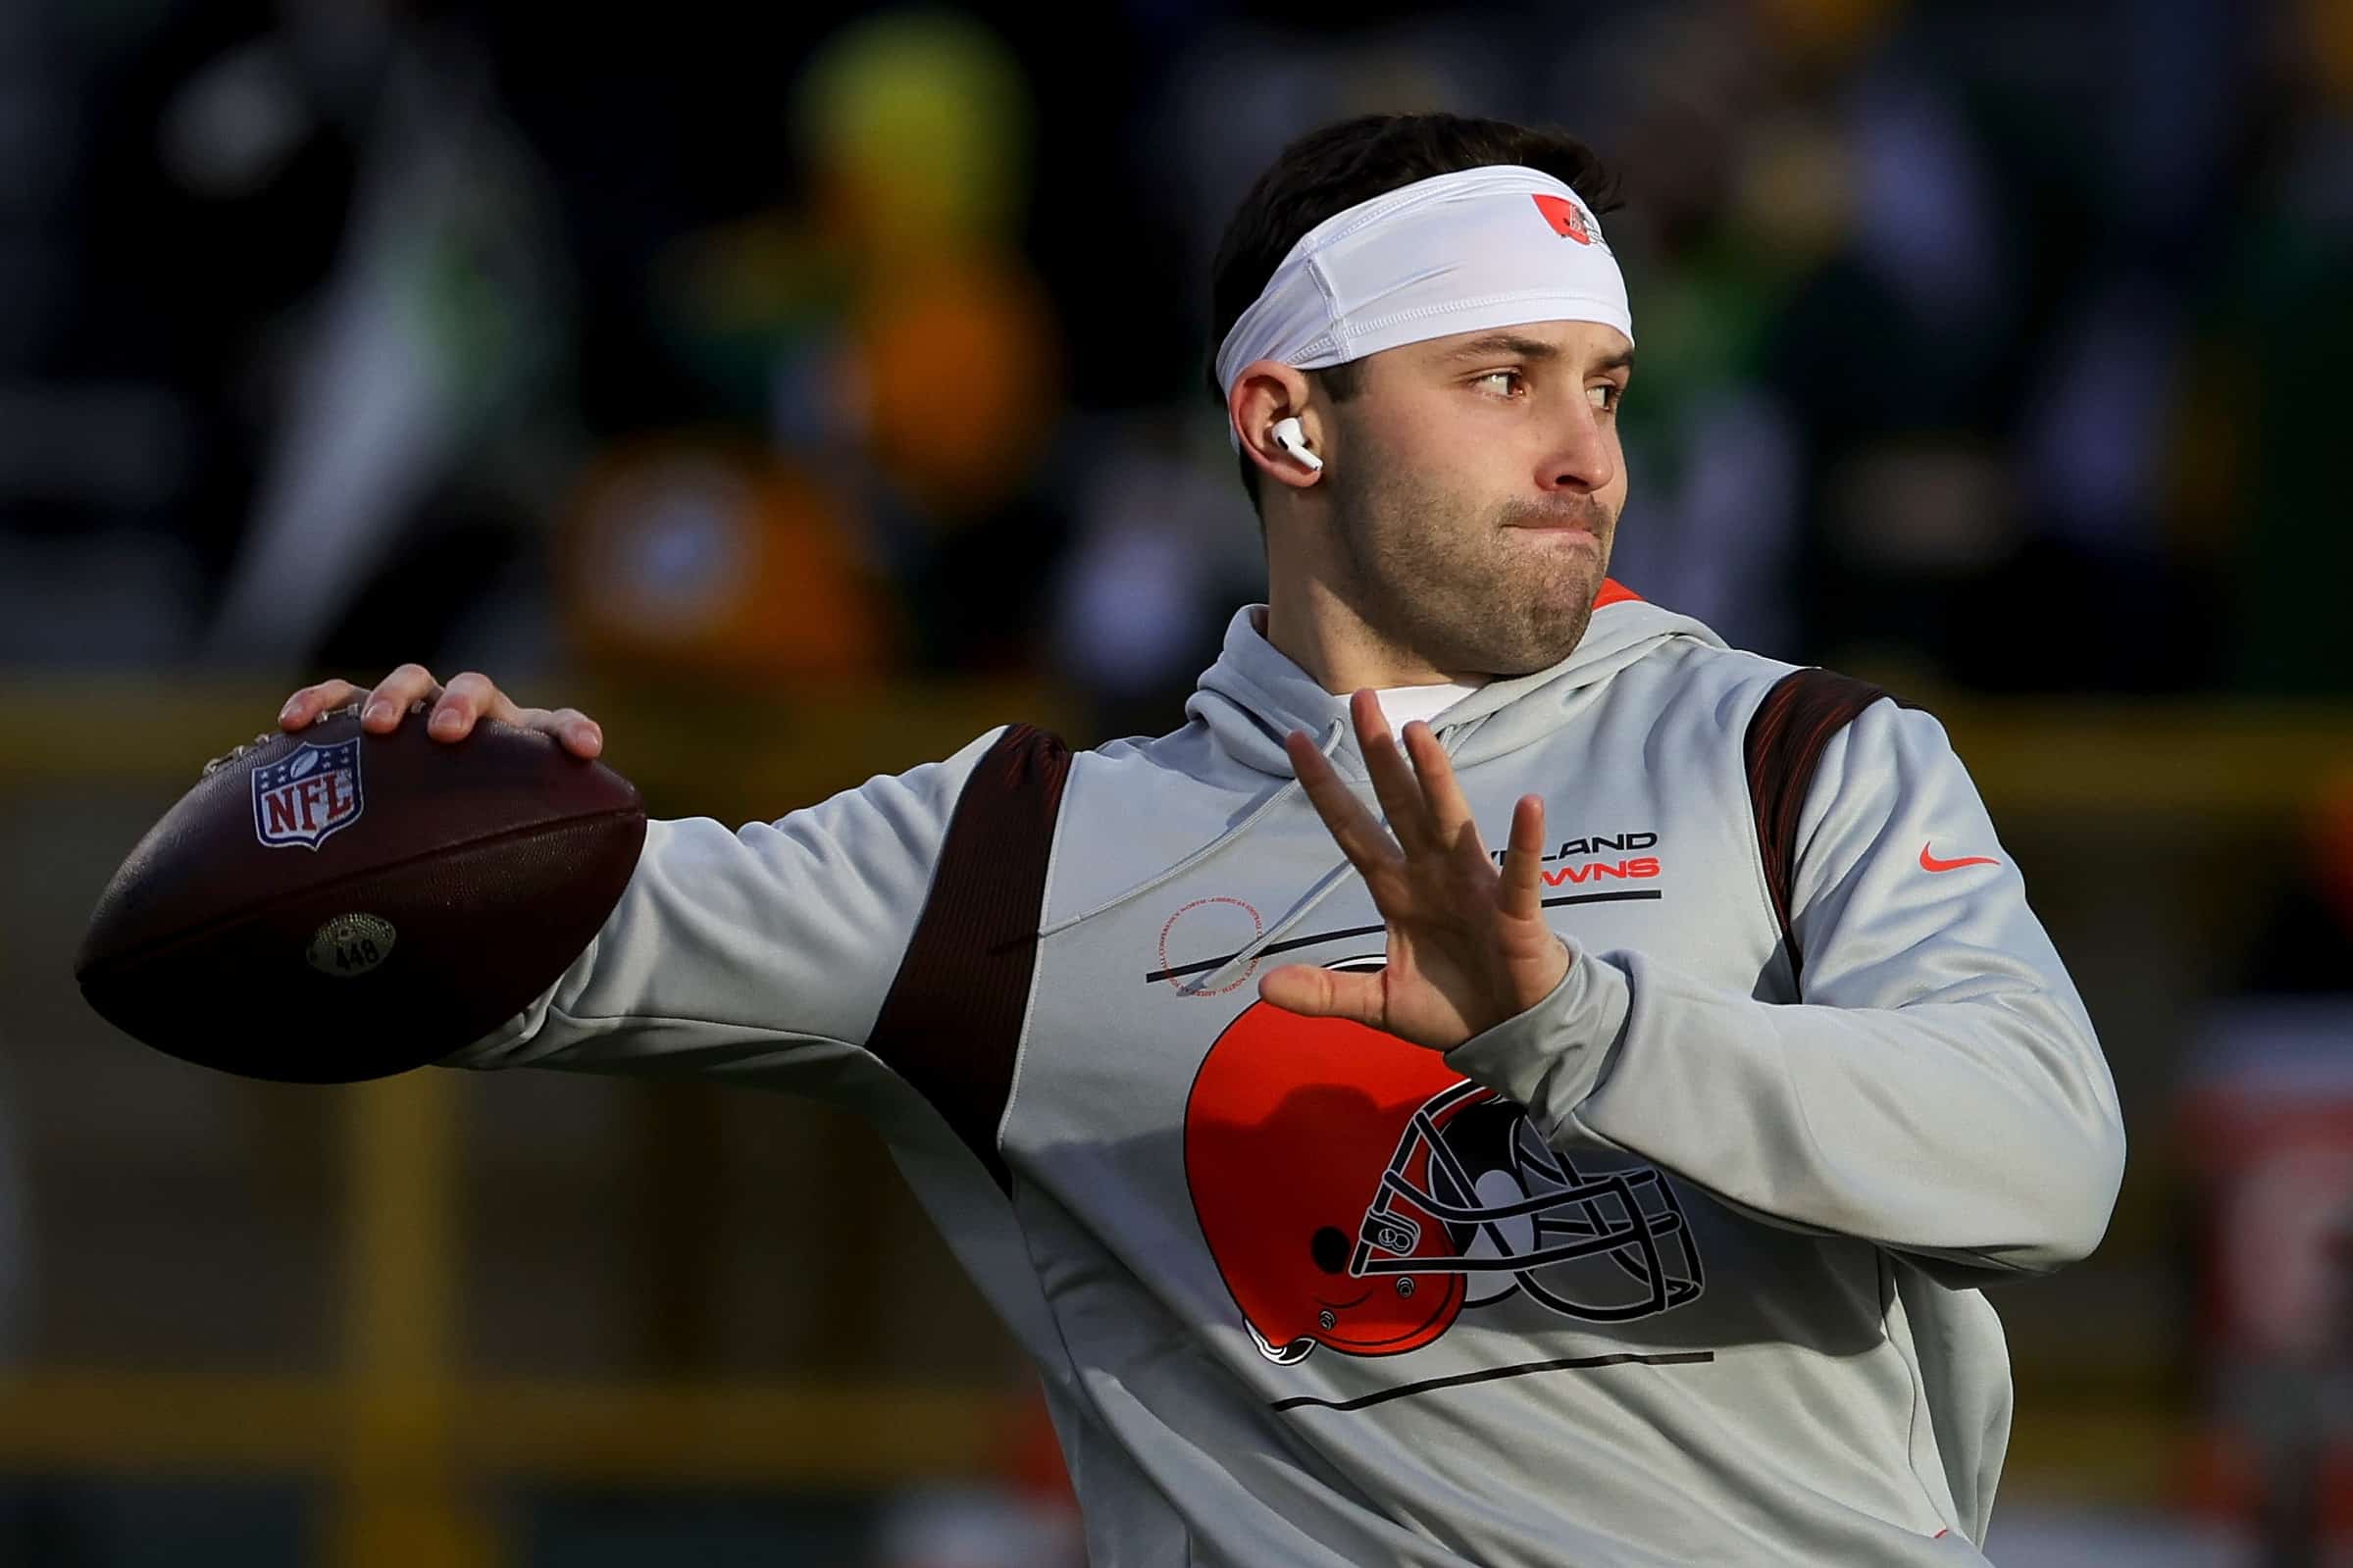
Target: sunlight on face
{"x":1480,"y":495}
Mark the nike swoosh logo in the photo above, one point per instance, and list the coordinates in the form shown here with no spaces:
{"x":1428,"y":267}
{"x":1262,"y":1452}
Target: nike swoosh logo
{"x":1929,"y":862}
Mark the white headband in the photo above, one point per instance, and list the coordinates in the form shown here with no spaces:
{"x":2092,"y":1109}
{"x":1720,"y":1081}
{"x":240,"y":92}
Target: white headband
{"x":1496,"y":247}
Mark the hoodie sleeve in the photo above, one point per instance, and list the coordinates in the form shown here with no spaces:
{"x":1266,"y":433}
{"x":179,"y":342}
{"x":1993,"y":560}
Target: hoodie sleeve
{"x":767,"y":948}
{"x":1937,"y":1090}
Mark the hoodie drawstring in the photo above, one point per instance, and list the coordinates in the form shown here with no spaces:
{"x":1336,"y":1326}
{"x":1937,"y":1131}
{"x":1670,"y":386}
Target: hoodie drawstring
{"x":1225,"y":973}
{"x":1327,"y":745}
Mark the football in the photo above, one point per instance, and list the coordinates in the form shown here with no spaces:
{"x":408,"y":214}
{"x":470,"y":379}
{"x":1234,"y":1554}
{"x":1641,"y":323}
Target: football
{"x":336,"y":905}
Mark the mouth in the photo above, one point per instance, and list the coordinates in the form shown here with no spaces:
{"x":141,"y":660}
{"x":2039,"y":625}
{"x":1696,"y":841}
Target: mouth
{"x":1567,"y":532}
{"x":1571,"y":518}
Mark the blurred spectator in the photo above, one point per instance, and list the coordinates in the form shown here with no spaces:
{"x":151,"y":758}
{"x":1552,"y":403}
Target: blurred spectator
{"x":426,"y":355}
{"x":1167,"y":546}
{"x":886,"y":338}
{"x":2270,"y":1114}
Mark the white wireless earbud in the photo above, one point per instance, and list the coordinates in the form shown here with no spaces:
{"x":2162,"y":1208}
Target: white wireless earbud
{"x":1287,"y":435}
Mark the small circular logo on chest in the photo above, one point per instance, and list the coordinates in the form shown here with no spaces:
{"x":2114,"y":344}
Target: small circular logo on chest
{"x":1201,"y":937}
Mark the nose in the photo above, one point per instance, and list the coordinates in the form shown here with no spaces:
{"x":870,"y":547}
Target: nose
{"x":1583,"y":457}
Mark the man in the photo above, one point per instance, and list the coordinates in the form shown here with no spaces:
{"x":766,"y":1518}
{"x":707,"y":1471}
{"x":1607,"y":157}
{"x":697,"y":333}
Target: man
{"x":1363,"y":1196}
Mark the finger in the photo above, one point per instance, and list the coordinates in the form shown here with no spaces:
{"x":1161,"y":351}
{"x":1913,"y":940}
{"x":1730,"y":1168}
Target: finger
{"x":1315,"y":993}
{"x":411,"y":682}
{"x":1392,"y":776}
{"x":1521,"y":896}
{"x":581,"y":734}
{"x":1441,"y":790}
{"x":467,"y":698}
{"x":306,"y":705}
{"x":1368,"y":847}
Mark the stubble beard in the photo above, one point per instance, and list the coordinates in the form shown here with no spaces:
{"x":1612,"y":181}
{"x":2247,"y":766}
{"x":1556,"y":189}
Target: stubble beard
{"x":1443,"y":581}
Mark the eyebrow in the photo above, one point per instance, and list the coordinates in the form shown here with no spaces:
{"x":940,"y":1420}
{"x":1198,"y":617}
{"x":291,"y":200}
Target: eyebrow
{"x":1534,"y":348}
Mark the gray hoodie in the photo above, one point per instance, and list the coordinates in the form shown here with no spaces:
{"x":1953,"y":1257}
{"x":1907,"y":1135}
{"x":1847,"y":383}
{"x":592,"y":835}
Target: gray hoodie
{"x":1681,"y":1265}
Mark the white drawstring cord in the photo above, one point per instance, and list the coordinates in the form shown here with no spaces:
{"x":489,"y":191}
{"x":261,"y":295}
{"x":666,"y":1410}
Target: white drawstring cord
{"x":1326,"y":746}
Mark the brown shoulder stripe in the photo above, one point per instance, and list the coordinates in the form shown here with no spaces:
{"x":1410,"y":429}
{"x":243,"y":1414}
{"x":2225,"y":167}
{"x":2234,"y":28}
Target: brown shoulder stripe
{"x":952,"y":1023}
{"x":1784,"y":744}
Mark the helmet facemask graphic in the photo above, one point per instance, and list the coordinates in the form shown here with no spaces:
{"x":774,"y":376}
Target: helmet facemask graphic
{"x":1357,"y":1193}
{"x":1512,"y":1207}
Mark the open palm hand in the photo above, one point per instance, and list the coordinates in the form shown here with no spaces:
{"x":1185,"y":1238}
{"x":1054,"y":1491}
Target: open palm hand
{"x":1469,"y":945}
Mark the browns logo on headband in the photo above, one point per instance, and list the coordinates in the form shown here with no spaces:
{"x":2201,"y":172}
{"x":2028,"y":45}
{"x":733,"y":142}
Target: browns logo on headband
{"x":1567,"y":219}
{"x":1455,"y":253}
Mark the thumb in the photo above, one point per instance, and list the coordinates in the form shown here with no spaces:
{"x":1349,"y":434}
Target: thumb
{"x":1316,"y":992}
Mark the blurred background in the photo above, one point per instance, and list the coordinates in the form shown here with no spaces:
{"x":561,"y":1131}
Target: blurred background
{"x":802,"y":389}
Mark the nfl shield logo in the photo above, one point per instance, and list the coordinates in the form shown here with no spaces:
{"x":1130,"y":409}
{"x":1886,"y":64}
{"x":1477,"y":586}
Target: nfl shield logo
{"x":310,"y":793}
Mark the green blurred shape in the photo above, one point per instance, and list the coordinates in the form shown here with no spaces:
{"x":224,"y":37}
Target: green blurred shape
{"x":916,"y":125}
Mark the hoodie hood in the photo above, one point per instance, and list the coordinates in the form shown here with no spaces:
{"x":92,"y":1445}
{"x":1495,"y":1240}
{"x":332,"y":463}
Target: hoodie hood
{"x":1254,"y":695}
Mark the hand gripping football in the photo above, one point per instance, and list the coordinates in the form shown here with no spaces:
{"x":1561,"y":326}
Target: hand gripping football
{"x":335,"y":905}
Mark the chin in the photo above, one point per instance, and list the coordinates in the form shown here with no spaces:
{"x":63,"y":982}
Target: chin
{"x":1545,"y":642}
{"x":1503,"y":662}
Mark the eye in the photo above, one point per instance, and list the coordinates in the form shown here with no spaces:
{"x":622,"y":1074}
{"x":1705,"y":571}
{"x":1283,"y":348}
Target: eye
{"x":1613,"y":395}
{"x":1495,"y":376}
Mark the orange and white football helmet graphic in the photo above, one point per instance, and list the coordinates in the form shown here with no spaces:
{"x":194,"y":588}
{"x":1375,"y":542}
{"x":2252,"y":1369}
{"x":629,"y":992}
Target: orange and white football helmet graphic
{"x":1357,"y":1193}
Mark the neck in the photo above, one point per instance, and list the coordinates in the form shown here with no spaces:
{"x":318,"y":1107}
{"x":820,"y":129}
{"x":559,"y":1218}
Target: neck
{"x":1321,"y":632}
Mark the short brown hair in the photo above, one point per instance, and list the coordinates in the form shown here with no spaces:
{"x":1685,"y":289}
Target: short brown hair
{"x":1335,"y":168}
